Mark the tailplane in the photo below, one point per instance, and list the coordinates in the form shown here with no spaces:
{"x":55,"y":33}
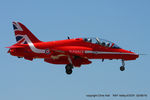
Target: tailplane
{"x":23,"y":35}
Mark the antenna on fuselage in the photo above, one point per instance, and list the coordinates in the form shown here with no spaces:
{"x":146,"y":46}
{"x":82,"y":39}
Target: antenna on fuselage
{"x":68,"y":37}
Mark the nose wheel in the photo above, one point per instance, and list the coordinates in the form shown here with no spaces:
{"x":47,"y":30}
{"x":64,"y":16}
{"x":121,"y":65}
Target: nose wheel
{"x":122,"y":68}
{"x":69,"y":68}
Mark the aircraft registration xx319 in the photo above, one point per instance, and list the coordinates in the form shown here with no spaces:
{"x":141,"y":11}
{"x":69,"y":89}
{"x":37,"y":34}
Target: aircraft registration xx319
{"x":71,"y":52}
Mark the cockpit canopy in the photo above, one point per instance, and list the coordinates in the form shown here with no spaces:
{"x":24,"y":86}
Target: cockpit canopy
{"x":101,"y":42}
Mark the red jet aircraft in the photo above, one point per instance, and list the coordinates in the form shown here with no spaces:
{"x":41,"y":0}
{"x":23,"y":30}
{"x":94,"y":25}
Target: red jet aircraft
{"x":71,"y":52}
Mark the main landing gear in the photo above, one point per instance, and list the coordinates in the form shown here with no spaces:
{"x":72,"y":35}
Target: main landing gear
{"x":122,"y":68}
{"x":69,"y":68}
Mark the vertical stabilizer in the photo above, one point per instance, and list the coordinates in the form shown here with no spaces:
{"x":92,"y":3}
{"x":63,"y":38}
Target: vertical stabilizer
{"x":22,"y":34}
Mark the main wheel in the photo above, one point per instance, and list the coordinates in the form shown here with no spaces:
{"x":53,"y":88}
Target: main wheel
{"x":122,"y":68}
{"x":69,"y":69}
{"x":68,"y":66}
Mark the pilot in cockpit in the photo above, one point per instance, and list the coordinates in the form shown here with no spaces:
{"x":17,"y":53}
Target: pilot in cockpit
{"x":107,"y":44}
{"x":103,"y":43}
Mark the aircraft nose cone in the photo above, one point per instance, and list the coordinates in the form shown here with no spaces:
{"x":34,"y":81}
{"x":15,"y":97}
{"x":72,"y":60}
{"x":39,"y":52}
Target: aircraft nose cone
{"x":136,"y":55}
{"x":130,"y":55}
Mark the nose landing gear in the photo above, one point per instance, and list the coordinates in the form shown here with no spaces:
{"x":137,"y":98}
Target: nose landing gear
{"x":122,"y":68}
{"x":69,"y":68}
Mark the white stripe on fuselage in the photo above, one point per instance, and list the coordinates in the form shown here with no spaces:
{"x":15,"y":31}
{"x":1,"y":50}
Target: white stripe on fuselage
{"x":100,"y":52}
{"x":32,"y":47}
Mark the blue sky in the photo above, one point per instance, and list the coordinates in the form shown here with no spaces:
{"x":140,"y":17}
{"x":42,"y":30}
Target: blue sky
{"x":125,"y":22}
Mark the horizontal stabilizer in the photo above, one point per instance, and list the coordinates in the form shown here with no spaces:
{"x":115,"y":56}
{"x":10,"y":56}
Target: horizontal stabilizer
{"x":13,"y":47}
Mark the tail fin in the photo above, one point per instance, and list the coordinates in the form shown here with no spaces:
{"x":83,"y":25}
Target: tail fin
{"x":23,"y":35}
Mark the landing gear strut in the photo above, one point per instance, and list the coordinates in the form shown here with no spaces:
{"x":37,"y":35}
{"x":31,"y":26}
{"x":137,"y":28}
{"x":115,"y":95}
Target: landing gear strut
{"x":69,"y":68}
{"x":122,"y":68}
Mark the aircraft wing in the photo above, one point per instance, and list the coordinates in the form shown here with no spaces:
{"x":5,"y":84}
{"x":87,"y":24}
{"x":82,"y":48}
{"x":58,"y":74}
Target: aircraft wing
{"x":67,"y":55}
